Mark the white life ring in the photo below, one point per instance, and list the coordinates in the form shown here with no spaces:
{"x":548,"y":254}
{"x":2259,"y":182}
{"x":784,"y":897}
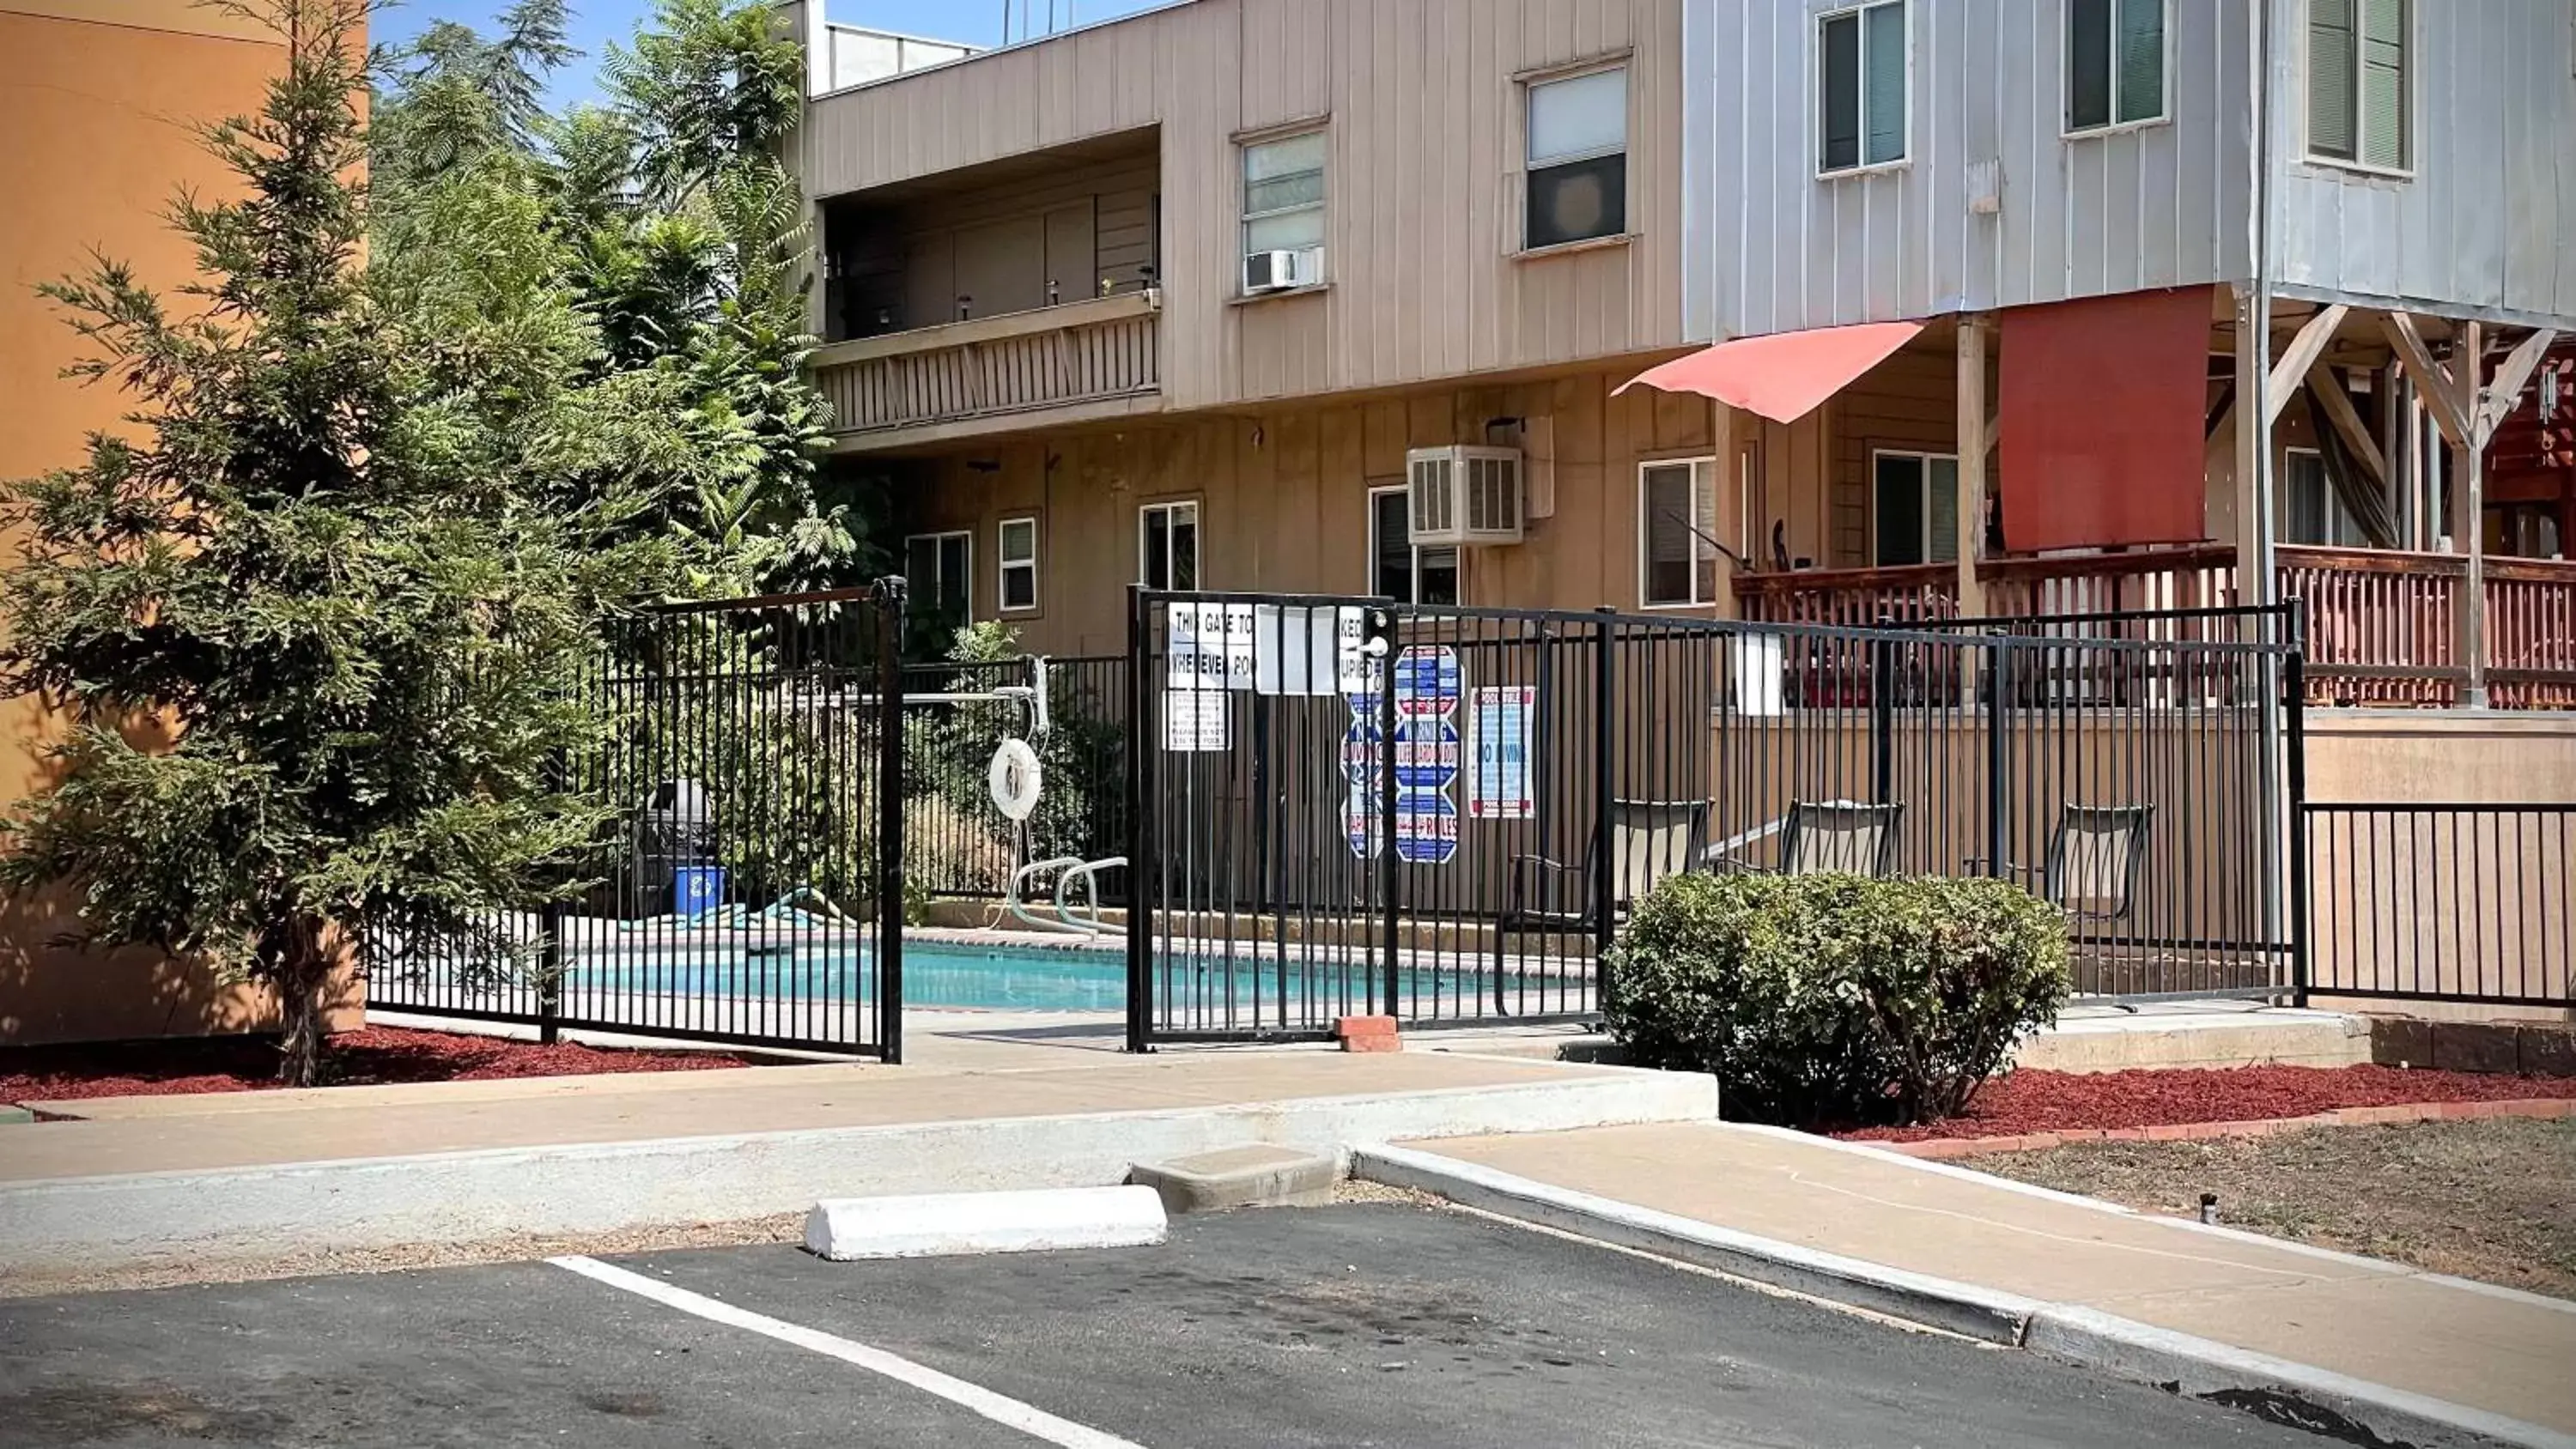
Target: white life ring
{"x":1015,"y":779}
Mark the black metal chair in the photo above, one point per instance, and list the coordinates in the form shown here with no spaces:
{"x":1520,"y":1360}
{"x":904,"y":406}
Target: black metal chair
{"x":1819,"y":837}
{"x":2095,"y":856}
{"x":1650,"y":840}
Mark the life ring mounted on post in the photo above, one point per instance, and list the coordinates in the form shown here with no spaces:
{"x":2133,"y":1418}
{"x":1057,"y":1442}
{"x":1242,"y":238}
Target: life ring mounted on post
{"x":1015,"y":780}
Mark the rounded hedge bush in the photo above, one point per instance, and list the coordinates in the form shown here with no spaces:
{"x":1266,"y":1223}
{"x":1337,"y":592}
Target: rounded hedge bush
{"x":1836,"y":998}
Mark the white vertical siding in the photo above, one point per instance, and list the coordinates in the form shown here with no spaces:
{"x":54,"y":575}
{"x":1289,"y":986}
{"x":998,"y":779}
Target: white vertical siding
{"x":1779,"y":249}
{"x":2486,"y":221}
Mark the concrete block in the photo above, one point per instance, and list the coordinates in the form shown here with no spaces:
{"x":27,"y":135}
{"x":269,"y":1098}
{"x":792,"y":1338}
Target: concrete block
{"x":2401,"y":1041}
{"x":2547,"y":1051}
{"x":1254,"y":1176}
{"x":1028,"y":1221}
{"x":2460,"y":1046}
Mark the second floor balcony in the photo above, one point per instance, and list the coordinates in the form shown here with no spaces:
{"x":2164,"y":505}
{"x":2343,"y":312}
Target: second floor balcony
{"x":1018,"y":292}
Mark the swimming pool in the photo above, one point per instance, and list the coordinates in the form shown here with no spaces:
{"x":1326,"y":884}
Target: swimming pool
{"x":1022,"y":978}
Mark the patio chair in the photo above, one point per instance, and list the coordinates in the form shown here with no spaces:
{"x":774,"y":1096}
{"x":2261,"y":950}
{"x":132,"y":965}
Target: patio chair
{"x":1818,"y":837}
{"x":2095,"y":857}
{"x":1649,"y":841}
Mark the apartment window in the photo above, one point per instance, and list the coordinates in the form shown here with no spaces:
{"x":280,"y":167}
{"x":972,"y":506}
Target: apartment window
{"x":2358,"y":73}
{"x":1283,"y":195}
{"x":2311,"y":513}
{"x":939,"y":568}
{"x":1167,"y":545}
{"x":1861,"y":63}
{"x":1918,"y":508}
{"x":1397,"y":569}
{"x":1677,"y":532}
{"x":1578,"y":159}
{"x":1018,"y":552}
{"x":2115,"y":63}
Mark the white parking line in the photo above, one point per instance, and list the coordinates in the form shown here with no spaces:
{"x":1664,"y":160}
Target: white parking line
{"x":1034,"y":1422}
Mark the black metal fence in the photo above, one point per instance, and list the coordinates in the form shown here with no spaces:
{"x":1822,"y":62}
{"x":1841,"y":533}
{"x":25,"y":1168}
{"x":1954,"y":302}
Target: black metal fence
{"x":957,"y":842}
{"x":2465,"y":903}
{"x":1346,"y":806}
{"x":746,"y":887}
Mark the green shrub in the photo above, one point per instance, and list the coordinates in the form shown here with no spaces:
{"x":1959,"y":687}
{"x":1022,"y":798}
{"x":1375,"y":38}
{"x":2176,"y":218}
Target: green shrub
{"x":1836,"y":998}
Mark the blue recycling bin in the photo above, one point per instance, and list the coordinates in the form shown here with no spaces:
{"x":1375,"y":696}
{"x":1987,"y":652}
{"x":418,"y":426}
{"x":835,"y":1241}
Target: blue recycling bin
{"x":696,"y":889}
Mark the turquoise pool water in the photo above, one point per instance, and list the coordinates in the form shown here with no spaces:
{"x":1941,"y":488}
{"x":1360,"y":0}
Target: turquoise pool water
{"x":1016,"y":978}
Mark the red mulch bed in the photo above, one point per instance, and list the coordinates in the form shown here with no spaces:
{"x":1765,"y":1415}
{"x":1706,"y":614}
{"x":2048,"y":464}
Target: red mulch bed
{"x":249,"y":1064}
{"x":2028,"y":1102}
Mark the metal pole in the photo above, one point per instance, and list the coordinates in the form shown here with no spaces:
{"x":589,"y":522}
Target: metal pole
{"x":1604,"y":698}
{"x":889,"y":603}
{"x":1141,"y":865}
{"x":2294,"y":708}
{"x":1882,"y":716}
{"x":1389,"y":873}
{"x":1999,"y":671}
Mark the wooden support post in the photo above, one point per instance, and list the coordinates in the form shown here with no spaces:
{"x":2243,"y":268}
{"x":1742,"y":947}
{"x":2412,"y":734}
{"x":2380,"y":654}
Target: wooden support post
{"x":2255,"y":581}
{"x":2468,"y":367}
{"x":1975,"y":443}
{"x":1730,"y":500}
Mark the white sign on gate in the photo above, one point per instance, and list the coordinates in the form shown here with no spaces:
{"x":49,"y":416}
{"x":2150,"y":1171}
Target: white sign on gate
{"x":1194,"y":721}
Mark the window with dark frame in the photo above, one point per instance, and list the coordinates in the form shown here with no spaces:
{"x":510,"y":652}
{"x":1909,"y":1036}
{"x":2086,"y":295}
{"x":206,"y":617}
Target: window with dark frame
{"x":938,"y":570}
{"x":2115,"y":63}
{"x":1861,"y":65}
{"x":1399,"y":570}
{"x":1578,"y":159}
{"x":1168,"y":546}
{"x":2359,"y":74}
{"x":1018,"y":551}
{"x":1917,"y":497}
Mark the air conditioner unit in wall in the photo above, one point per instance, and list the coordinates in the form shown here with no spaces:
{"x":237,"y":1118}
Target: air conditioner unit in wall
{"x":1466,"y":496}
{"x":1282,"y":271}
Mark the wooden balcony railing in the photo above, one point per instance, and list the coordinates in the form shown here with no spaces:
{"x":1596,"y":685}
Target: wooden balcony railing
{"x":2383,"y":627}
{"x":1101,"y":350}
{"x":1850,"y":597}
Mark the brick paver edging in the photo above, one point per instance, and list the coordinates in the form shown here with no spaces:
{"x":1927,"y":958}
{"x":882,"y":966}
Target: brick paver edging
{"x":1946,"y":1147}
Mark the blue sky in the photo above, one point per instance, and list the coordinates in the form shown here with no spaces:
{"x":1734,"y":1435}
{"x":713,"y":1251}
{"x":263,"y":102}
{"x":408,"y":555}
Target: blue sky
{"x":596,"y":22}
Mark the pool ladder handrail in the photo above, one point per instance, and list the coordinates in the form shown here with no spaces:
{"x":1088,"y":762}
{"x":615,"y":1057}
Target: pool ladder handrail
{"x":1069,"y":869}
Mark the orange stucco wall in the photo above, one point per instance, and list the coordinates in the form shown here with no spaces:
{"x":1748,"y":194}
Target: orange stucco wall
{"x":98,"y":104}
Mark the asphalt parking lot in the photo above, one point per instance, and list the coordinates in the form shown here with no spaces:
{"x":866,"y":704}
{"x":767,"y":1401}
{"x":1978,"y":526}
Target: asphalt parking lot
{"x":1362,"y":1324}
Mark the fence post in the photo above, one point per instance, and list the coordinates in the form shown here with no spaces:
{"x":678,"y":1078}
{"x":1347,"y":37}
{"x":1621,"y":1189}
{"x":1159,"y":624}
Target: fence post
{"x":1999,"y":672}
{"x":2294,"y":692}
{"x":1882,"y":715}
{"x":550,"y":933}
{"x":1141,"y":866}
{"x":1390,"y":874}
{"x":887,"y":606}
{"x":1604,"y":701}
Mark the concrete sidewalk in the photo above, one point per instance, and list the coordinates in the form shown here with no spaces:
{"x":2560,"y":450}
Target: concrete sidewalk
{"x":153,"y":1183}
{"x":2492,"y":1349}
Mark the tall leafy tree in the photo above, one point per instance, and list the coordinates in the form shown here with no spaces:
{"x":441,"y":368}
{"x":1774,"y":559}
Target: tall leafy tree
{"x":358,"y":533}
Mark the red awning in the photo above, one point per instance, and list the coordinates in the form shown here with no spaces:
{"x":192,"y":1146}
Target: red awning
{"x":1783,"y":377}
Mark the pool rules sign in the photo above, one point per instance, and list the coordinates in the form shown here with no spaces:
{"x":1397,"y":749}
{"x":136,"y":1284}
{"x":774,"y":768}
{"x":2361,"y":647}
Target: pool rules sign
{"x":1427,"y":692}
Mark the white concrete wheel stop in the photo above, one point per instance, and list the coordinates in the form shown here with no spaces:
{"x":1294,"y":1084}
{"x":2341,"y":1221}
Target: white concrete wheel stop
{"x":852,"y":1229}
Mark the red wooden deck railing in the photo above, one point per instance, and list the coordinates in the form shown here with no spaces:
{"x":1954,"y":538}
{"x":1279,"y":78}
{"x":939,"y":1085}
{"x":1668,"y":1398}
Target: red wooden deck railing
{"x":2383,"y":626}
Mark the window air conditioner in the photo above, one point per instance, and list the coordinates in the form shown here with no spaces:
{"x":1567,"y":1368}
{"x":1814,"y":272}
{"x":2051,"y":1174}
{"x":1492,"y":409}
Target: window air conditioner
{"x":1282,"y":271}
{"x":1464,"y":496}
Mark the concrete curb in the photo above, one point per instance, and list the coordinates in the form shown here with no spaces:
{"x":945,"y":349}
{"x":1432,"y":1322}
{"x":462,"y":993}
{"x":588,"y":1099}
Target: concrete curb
{"x":2274,"y":1389}
{"x":849,"y":1229}
{"x":1961,"y":1308}
{"x":2541,"y":1108}
{"x":48,"y":1227}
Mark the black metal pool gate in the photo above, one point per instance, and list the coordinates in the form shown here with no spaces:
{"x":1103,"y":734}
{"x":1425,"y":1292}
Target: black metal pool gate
{"x":1346,"y":806}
